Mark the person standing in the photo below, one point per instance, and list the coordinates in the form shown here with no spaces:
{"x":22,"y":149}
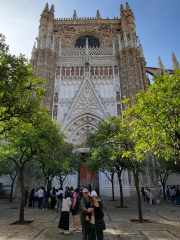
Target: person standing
{"x":75,"y":209}
{"x":53,"y":201}
{"x":40,"y":194}
{"x":64,"y":219}
{"x":36,"y":198}
{"x":60,"y":198}
{"x":31,"y":199}
{"x":47,"y":195}
{"x":66,"y":191}
{"x":96,"y":225}
{"x":84,"y":212}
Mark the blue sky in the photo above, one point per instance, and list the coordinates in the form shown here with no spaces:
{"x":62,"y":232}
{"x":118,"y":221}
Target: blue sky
{"x":157,"y":23}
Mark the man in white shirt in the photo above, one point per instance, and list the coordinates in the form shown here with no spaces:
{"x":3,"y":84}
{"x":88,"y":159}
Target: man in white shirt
{"x":40,"y":194}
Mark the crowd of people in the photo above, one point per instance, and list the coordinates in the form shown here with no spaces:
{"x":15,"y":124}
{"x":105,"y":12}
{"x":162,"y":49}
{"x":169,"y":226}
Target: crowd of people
{"x":147,"y":195}
{"x":173,"y":194}
{"x":85,"y":202}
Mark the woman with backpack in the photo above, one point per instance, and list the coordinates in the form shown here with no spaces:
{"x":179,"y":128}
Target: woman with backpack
{"x":75,"y":209}
{"x":64,"y":219}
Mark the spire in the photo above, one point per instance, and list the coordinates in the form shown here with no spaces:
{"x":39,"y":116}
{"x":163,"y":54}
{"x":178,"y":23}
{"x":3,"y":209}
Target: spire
{"x":46,"y":7}
{"x":52,"y":11}
{"x":98,"y":14}
{"x":127,"y":6}
{"x":74,"y":15}
{"x":175,"y":61}
{"x":128,"y":10}
{"x":122,"y":13}
{"x":161,"y":66}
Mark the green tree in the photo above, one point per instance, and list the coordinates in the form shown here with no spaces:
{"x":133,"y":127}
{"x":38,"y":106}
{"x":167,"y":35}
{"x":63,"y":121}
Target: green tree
{"x":20,"y":91}
{"x":155,"y":117}
{"x":107,"y":153}
{"x":165,"y":168}
{"x":8,"y":167}
{"x":27,"y":141}
{"x":99,"y":159}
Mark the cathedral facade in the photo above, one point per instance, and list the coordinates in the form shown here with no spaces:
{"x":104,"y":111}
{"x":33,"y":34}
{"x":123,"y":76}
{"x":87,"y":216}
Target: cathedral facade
{"x":90,"y":64}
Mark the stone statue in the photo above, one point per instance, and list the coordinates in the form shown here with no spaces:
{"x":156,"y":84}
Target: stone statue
{"x":106,"y":71}
{"x":56,"y":97}
{"x":115,"y":70}
{"x":96,"y":71}
{"x":101,"y":71}
{"x":77,"y":71}
{"x":63,"y":72}
{"x":55,"y":111}
{"x":58,"y":71}
{"x":67,"y":72}
{"x":110,"y":71}
{"x":72,"y":72}
{"x":117,"y":97}
{"x":92,"y":71}
{"x":118,"y":110}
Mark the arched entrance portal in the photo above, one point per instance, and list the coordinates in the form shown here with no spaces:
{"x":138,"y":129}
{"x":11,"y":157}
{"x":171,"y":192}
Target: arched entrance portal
{"x":76,"y":131}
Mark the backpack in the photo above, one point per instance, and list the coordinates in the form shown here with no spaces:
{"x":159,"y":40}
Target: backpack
{"x":78,"y":199}
{"x":60,"y":196}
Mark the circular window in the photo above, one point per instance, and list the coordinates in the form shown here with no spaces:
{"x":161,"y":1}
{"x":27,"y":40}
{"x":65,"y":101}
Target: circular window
{"x":92,"y":41}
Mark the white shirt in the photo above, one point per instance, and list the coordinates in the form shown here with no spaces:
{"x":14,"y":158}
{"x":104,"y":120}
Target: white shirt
{"x":66,"y":203}
{"x":40,"y":193}
{"x":59,"y":192}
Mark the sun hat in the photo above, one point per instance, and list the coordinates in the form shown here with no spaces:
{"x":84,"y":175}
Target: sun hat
{"x":85,"y":190}
{"x":93,"y":194}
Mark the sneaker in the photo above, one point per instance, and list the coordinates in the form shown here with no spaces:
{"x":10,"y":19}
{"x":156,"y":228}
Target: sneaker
{"x":66,"y":232}
{"x":43,"y":208}
{"x":61,"y":231}
{"x":74,"y":230}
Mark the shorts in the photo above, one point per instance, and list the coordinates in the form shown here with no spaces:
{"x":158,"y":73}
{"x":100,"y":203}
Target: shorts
{"x":75,"y":211}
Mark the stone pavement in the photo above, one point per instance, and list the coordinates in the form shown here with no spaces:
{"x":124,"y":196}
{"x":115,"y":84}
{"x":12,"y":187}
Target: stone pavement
{"x":164,"y":218}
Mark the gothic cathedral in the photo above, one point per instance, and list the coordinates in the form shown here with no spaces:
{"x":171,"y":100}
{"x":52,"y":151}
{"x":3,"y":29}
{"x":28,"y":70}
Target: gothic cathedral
{"x":90,"y":64}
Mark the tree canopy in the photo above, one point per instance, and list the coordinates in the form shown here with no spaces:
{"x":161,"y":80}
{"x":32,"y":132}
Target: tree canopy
{"x":155,"y":118}
{"x":20,"y":91}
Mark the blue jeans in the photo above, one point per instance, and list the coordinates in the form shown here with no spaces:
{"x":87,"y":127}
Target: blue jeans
{"x":59,"y":203}
{"x":45,"y":204}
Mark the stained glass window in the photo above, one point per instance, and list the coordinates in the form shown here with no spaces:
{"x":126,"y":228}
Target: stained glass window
{"x":92,"y":41}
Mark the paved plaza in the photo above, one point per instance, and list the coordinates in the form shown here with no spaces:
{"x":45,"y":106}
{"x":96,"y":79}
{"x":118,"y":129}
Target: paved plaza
{"x":164,"y":218}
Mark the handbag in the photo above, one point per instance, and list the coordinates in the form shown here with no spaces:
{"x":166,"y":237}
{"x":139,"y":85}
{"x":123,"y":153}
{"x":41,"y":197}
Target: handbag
{"x":49,"y":200}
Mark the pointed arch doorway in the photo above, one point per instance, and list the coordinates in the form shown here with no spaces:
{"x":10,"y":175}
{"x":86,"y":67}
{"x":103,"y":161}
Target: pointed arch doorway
{"x":87,"y":179}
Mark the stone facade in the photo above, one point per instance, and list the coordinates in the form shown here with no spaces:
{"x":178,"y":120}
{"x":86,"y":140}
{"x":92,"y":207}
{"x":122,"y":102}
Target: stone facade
{"x":86,"y":82}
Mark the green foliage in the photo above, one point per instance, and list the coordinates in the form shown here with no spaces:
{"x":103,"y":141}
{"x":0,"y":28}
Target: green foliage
{"x":20,"y":91}
{"x":163,"y":166}
{"x":155,"y":118}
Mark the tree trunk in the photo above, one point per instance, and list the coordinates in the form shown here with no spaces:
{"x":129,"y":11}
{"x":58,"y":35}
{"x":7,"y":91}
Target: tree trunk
{"x":112,"y":182}
{"x":21,"y":178}
{"x":136,"y":179}
{"x":49,"y":184}
{"x":120,"y":186}
{"x":164,"y":192}
{"x":12,"y":186}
